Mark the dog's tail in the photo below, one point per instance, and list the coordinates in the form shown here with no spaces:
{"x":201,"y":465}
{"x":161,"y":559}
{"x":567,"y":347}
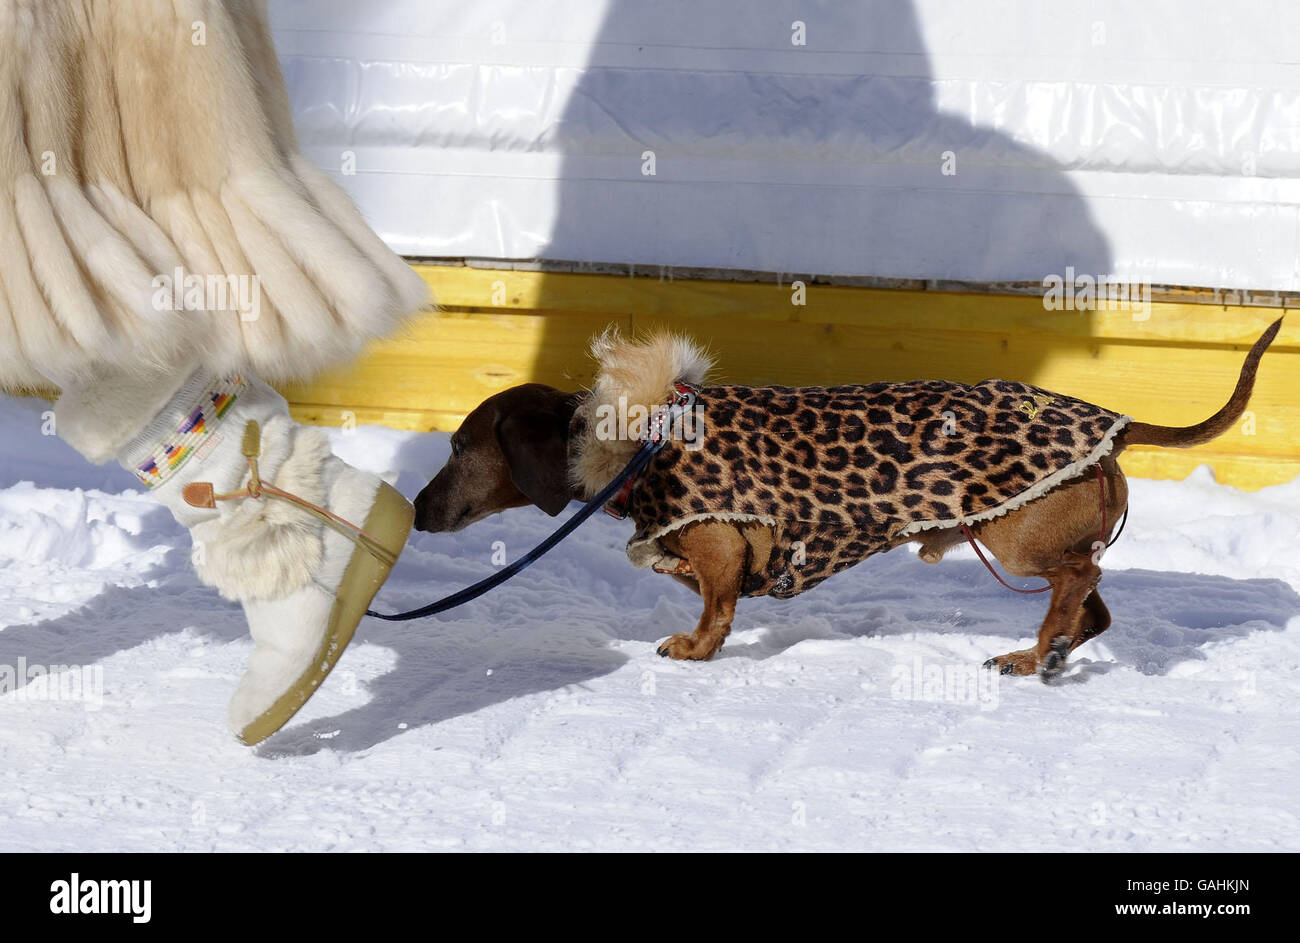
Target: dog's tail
{"x":1184,"y":437}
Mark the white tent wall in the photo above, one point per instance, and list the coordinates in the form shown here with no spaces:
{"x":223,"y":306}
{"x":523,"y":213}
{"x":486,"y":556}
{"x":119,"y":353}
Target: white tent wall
{"x":1155,"y":141}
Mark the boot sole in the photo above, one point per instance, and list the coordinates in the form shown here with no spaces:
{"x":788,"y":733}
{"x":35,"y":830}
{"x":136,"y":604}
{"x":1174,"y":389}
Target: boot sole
{"x":389,"y":522}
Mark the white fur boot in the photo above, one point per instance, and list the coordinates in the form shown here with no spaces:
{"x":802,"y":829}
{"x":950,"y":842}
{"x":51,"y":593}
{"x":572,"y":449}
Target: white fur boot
{"x":301,"y":539}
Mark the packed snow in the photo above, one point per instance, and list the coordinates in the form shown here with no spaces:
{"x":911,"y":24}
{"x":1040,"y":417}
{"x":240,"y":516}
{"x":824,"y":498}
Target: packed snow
{"x":539,"y":716}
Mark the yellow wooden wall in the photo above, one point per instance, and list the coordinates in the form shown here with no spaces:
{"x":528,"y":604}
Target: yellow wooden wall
{"x":497,"y":328}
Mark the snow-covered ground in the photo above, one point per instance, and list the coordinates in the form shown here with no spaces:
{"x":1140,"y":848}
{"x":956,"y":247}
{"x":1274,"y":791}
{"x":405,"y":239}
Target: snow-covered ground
{"x":540,"y":717}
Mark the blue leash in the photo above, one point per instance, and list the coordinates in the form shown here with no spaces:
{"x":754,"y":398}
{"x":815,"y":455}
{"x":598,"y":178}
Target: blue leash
{"x":639,"y":461}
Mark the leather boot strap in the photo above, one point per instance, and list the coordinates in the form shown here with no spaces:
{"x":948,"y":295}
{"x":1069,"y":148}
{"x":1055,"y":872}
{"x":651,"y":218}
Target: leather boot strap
{"x":202,"y":494}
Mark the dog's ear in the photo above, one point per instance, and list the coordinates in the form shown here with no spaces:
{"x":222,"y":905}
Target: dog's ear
{"x":535,"y":443}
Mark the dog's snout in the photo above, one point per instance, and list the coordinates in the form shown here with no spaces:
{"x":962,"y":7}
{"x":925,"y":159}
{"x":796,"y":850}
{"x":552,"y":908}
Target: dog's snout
{"x":442,"y":505}
{"x":421,"y":514}
{"x":428,"y":509}
{"x":433,"y":520}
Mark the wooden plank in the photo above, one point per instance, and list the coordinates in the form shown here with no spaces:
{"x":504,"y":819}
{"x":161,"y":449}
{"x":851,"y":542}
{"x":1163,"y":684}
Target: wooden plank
{"x":426,"y":420}
{"x":499,"y":328}
{"x":452,"y":361}
{"x":461,"y":287}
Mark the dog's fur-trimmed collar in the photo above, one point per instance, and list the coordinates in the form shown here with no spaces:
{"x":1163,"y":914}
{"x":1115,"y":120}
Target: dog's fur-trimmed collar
{"x":632,"y":372}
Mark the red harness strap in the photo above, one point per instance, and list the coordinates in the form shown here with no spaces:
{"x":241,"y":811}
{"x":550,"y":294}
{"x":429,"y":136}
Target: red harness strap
{"x":1101,"y":484}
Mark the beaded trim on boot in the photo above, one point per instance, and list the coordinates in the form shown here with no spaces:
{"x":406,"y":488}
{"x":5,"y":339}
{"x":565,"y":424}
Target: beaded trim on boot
{"x":174,"y":443}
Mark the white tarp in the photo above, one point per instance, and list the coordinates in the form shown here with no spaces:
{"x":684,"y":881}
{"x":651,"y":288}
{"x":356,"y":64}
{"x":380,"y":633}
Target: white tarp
{"x":1155,"y":141}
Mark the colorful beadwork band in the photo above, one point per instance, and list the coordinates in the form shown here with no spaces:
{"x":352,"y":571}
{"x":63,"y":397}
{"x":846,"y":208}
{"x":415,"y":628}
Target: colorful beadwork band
{"x":174,"y":450}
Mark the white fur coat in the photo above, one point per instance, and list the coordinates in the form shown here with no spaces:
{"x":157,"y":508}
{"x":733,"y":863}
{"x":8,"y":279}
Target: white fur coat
{"x":147,"y":158}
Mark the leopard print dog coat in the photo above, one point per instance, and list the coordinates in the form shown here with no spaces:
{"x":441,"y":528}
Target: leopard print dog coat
{"x":841,"y":473}
{"x":836,"y":474}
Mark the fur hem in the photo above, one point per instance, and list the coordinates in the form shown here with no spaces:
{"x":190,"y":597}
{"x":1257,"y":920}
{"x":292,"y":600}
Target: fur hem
{"x":631,"y":374}
{"x":189,"y":167}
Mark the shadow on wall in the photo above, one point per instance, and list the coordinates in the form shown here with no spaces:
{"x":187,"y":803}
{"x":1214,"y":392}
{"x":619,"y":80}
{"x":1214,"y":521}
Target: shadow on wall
{"x":734,"y":94}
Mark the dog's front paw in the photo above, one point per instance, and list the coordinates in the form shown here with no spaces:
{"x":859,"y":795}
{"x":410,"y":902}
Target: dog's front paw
{"x":685,"y":647}
{"x":1023,"y":662}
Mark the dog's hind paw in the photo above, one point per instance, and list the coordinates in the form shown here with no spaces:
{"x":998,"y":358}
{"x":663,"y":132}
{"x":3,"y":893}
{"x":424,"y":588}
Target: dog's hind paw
{"x":1054,"y":663}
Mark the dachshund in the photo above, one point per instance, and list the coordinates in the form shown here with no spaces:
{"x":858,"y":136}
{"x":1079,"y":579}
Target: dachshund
{"x":784,"y":487}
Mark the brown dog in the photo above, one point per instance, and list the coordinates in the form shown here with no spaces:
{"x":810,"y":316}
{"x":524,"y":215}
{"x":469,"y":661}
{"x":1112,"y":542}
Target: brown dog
{"x":735,"y":508}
